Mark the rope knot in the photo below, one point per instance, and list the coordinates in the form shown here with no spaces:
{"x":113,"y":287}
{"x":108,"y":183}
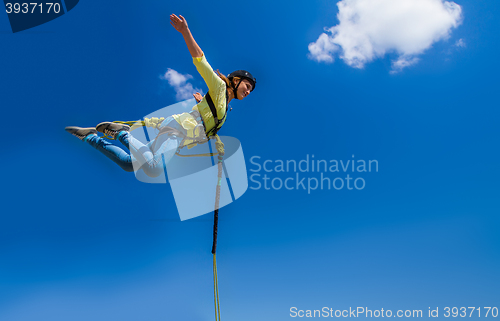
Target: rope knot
{"x":219,"y":145}
{"x":153,"y":122}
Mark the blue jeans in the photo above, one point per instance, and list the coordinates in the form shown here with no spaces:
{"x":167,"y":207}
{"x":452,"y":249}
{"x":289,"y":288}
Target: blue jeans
{"x":141,"y":155}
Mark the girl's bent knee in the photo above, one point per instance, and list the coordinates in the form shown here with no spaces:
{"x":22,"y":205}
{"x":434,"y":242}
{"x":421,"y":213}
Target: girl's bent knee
{"x":128,"y":167}
{"x":152,"y":171}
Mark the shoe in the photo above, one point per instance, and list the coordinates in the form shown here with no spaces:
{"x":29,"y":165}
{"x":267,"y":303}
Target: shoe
{"x":111,"y":129}
{"x":80,"y":132}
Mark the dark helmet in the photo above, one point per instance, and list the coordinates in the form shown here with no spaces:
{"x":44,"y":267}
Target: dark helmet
{"x":243,"y":74}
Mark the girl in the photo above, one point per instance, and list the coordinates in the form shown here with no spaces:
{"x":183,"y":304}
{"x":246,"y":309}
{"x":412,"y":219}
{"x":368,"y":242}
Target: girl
{"x":209,"y":115}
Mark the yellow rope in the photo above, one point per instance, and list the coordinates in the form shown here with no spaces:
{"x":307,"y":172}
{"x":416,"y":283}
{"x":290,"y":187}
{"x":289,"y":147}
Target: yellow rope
{"x":220,"y":149}
{"x":197,"y":155}
{"x":216,"y":291}
{"x":153,"y":122}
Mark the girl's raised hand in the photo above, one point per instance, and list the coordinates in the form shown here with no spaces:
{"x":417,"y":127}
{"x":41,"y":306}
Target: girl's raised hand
{"x":180,"y":24}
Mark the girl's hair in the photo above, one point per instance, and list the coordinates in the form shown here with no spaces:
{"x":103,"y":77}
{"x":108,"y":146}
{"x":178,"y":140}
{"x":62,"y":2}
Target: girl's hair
{"x":227,"y":81}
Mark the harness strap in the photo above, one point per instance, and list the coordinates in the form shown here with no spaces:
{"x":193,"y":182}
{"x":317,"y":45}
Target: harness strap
{"x":217,"y":122}
{"x":212,"y":109}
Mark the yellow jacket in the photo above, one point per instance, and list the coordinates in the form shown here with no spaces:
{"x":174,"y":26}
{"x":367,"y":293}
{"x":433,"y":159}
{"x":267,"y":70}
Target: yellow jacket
{"x":217,"y":89}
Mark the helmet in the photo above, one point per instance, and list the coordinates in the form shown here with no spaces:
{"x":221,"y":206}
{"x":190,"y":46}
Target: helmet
{"x":244,"y":75}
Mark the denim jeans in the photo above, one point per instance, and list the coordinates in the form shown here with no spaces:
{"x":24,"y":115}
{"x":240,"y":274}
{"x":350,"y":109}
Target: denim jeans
{"x":141,"y":156}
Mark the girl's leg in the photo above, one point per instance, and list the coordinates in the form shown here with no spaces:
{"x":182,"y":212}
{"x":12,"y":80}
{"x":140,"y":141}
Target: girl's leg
{"x":152,"y":164}
{"x":116,"y":154}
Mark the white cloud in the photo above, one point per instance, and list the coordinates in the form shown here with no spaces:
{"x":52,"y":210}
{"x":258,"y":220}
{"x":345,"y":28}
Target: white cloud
{"x":369,"y":29}
{"x":460,"y":43}
{"x":403,"y":62}
{"x":322,"y":49}
{"x":183,"y":89}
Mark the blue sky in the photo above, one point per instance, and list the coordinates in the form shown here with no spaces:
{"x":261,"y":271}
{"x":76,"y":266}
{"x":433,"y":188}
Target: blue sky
{"x":81,"y":239}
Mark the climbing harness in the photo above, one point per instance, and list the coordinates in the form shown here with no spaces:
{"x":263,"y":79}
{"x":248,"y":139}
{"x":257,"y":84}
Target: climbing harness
{"x":154,"y":122}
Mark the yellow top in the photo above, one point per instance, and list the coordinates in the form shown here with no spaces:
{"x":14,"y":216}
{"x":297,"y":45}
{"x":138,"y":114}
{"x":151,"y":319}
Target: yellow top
{"x":217,"y":89}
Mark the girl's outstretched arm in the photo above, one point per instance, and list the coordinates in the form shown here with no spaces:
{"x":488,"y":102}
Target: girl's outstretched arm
{"x":180,"y":24}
